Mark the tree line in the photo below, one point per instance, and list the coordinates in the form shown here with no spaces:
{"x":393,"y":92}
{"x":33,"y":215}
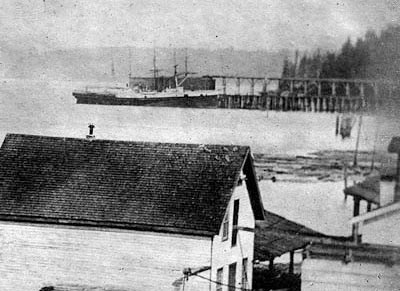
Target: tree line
{"x":370,"y":57}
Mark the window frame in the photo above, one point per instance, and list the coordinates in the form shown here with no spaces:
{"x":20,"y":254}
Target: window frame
{"x":235,"y":222}
{"x":245,"y":279}
{"x":219,"y":279}
{"x":232,"y":277}
{"x":225,"y":226}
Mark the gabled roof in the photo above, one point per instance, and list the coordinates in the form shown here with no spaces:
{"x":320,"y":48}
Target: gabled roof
{"x":181,"y":188}
{"x":277,"y":235}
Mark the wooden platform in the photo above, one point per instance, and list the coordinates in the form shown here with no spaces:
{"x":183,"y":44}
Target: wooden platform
{"x":295,"y":103}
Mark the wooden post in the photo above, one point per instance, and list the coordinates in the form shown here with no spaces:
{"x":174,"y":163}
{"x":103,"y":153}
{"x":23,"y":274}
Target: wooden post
{"x":337,"y":125}
{"x":348,"y":89}
{"x":319,"y":89}
{"x":305,"y":87}
{"x":356,"y":212}
{"x":238,"y":85}
{"x":252,"y":83}
{"x":333,"y":89}
{"x":271,"y":264}
{"x":356,"y":207}
{"x":357,"y":142}
{"x":291,"y":86}
{"x":345,"y":178}
{"x":224,"y":85}
{"x":291,"y":263}
{"x":264,"y":89}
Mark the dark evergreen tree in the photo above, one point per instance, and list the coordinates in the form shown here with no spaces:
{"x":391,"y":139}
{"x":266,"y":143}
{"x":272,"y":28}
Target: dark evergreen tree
{"x":302,"y":66}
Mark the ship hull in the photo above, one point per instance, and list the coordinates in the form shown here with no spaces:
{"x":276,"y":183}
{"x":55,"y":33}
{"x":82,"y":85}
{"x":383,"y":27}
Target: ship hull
{"x":202,"y":101}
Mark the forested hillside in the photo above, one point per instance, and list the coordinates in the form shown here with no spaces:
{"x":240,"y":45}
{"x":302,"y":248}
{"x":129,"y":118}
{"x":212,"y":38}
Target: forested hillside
{"x":374,"y":56}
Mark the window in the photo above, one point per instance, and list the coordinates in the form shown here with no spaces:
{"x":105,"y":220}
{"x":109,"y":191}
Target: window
{"x":235,"y":221}
{"x":232,"y":277}
{"x":225,"y":226}
{"x":220,"y":275}
{"x":244,"y":274}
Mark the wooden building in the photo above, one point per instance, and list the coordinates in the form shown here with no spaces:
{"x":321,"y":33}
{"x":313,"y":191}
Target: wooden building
{"x":117,"y":214}
{"x":88,"y":214}
{"x":381,"y":225}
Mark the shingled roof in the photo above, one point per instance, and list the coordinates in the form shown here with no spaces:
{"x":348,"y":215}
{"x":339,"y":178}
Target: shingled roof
{"x":276,"y":235}
{"x":182,"y":188}
{"x":368,"y":190}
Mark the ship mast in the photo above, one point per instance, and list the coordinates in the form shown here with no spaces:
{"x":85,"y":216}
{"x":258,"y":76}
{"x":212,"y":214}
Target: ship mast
{"x":130,"y":63}
{"x":175,"y":70}
{"x":186,"y":62}
{"x":186,"y":73}
{"x":112,"y":67}
{"x":155,"y":71}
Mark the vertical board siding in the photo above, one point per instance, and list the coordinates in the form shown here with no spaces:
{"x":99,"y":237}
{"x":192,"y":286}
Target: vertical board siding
{"x":35,"y":256}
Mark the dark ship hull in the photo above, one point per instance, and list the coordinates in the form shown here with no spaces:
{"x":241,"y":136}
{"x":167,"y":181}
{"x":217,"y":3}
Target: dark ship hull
{"x":201,"y":101}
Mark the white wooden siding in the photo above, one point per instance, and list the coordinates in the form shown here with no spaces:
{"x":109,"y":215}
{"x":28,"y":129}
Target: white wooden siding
{"x":223,"y":253}
{"x":384,"y":229}
{"x":329,"y":275}
{"x":33,"y":256}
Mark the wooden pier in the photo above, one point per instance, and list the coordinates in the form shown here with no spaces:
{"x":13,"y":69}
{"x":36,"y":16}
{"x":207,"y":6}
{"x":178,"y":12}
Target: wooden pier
{"x":292,"y":103}
{"x":313,"y":95}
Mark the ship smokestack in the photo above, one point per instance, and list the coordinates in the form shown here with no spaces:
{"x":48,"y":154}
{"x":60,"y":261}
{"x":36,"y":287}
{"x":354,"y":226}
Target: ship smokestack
{"x":91,"y":129}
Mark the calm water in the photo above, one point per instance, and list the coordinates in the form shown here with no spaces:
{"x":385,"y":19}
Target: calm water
{"x":48,"y":108}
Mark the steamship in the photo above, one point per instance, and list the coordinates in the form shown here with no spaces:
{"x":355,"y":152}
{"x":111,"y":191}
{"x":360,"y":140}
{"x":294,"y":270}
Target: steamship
{"x":179,"y":90}
{"x":136,"y":95}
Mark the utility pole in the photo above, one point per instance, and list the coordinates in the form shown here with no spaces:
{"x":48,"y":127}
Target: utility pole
{"x":175,"y":70}
{"x":186,"y":62}
{"x":130,"y":63}
{"x":357,"y":141}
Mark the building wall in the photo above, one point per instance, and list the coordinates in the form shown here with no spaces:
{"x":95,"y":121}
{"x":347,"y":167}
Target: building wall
{"x":384,"y":229}
{"x":330,"y":275}
{"x":223,"y":253}
{"x":386,"y":192}
{"x":196,"y":283}
{"x":34,"y":256}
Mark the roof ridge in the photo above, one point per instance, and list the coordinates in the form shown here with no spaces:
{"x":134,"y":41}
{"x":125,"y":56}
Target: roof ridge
{"x":124,"y":141}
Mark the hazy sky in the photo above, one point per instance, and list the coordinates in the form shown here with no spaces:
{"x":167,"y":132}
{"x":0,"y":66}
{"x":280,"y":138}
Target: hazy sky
{"x":250,"y":25}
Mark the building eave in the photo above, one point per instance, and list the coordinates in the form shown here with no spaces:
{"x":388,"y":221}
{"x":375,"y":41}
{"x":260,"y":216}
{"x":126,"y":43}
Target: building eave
{"x":382,"y":211}
{"x":105,"y":225}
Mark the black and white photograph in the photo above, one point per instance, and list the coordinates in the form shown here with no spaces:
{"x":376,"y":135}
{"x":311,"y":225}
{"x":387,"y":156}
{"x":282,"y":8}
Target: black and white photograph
{"x":197,"y":145}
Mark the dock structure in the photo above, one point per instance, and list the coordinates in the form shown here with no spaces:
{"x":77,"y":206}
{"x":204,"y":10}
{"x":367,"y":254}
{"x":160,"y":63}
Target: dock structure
{"x":238,"y":81}
{"x":309,"y":94}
